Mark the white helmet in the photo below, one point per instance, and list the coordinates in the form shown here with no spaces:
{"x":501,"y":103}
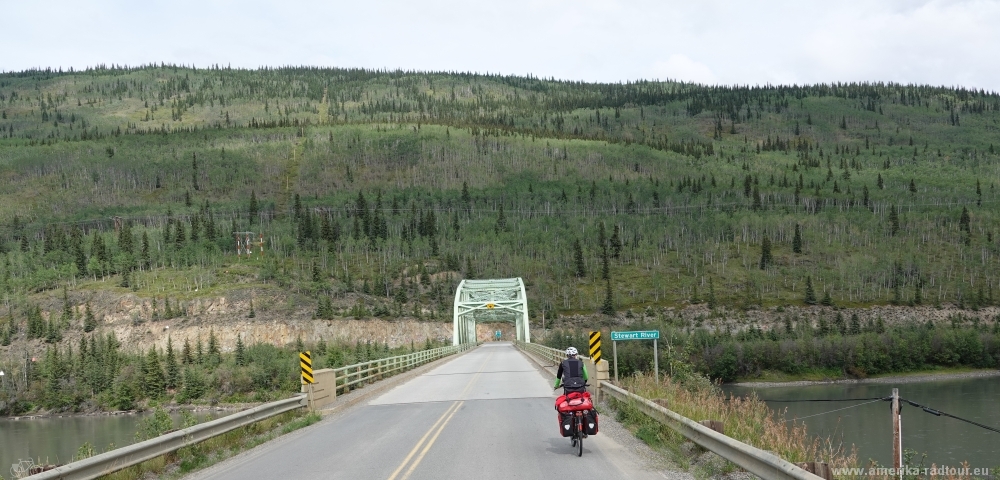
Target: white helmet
{"x":571,"y":352}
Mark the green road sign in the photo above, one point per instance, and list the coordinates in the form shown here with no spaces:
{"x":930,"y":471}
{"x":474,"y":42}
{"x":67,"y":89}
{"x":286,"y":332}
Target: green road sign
{"x":641,"y":335}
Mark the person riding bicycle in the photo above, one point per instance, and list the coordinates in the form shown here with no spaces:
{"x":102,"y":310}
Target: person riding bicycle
{"x":572,"y":373}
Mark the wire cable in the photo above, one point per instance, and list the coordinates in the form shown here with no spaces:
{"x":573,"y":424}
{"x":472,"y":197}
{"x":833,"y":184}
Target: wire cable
{"x":831,"y":411}
{"x":939,"y":413}
{"x":828,"y":400}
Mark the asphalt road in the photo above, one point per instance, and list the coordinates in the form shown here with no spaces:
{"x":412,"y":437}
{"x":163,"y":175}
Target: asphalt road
{"x":487,"y":414}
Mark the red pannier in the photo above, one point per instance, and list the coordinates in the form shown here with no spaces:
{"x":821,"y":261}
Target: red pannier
{"x":574,"y":401}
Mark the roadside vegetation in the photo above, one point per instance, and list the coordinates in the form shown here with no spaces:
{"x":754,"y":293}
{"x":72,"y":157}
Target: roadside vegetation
{"x":831,"y":347}
{"x":102,"y":374}
{"x":203,"y":454}
{"x":746,"y":419}
{"x":373,"y":193}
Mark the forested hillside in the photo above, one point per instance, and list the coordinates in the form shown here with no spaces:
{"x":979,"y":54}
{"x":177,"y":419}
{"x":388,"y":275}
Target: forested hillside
{"x":675,"y":192}
{"x":372,"y":193}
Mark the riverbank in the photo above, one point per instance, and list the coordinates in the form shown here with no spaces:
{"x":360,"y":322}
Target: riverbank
{"x":169,"y":408}
{"x":909,"y":377}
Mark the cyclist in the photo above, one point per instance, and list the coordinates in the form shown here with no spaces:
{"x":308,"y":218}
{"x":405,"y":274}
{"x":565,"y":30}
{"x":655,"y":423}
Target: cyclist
{"x":572,"y":373}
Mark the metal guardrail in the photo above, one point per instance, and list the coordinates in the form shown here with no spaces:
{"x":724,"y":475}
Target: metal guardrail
{"x":347,"y":377}
{"x":360,"y":373}
{"x":764,"y":464}
{"x":120,"y":458}
{"x":759,"y":462}
{"x":556,"y":356}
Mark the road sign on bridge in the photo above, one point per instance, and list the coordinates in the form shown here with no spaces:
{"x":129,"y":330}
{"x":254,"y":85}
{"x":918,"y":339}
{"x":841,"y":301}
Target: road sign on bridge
{"x":639,"y":335}
{"x":653,"y":335}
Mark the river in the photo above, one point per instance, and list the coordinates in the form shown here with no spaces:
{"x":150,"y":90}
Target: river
{"x":946,"y":441}
{"x":55,"y":440}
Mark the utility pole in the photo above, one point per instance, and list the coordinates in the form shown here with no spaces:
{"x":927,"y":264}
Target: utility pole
{"x":897,"y":436}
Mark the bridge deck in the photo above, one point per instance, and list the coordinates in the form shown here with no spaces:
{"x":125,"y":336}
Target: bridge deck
{"x":485,"y":415}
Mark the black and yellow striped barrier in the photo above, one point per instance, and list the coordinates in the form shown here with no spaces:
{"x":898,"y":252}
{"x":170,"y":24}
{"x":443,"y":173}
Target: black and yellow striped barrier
{"x":306,"y":363}
{"x":595,"y":346}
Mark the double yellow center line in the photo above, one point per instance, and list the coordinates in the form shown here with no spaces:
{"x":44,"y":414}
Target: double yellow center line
{"x":434,"y":431}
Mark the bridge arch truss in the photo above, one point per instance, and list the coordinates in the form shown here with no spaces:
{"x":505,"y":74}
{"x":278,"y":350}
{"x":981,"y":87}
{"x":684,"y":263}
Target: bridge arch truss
{"x":494,"y":300}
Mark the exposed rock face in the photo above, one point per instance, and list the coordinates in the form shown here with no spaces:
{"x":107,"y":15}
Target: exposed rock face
{"x":279,"y":319}
{"x":773,"y":317}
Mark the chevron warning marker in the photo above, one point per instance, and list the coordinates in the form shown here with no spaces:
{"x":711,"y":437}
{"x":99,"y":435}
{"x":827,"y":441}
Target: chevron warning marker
{"x":595,"y":346}
{"x":306,"y":363}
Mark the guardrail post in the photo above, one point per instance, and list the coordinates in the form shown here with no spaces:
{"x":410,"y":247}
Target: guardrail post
{"x":602,"y":376}
{"x":819,"y":469}
{"x":714,"y":425}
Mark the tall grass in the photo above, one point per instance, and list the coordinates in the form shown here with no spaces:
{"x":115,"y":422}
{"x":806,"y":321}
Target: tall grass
{"x":218,"y":448}
{"x":748,"y":420}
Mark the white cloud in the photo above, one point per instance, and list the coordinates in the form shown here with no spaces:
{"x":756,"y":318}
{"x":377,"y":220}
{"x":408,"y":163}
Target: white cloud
{"x":949,"y":42}
{"x":680,"y":67}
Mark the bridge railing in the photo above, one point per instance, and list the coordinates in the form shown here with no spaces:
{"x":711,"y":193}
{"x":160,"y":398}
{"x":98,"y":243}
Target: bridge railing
{"x":345,"y":378}
{"x":351,"y":376}
{"x":120,"y":458}
{"x":754,"y":460}
{"x":547,"y":353}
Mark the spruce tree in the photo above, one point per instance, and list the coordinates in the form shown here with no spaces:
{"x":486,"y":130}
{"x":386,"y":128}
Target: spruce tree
{"x":67,"y":313}
{"x":797,"y":240}
{"x":89,"y":322}
{"x":241,"y":353}
{"x":602,"y":244}
{"x":213,"y":343}
{"x":893,"y":221}
{"x":578,"y":259}
{"x":153,"y":379}
{"x":608,"y":307}
{"x":810,"y":298}
{"x":79,"y":257}
{"x":501,"y":225}
{"x":253,"y":210}
{"x":827,"y":300}
{"x":144,"y":254}
{"x":712,"y":303}
{"x":855,"y":324}
{"x":199,"y":352}
{"x":173,"y":370}
{"x":186,"y":357}
{"x":194,"y":384}
{"x":616,"y":243}
{"x":252,"y":313}
{"x":466,"y":199}
{"x":765,"y":253}
{"x":965,"y":221}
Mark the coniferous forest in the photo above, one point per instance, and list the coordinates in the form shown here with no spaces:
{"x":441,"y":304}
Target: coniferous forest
{"x":395,"y":185}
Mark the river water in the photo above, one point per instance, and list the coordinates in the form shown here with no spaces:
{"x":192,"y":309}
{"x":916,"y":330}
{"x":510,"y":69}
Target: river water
{"x":946,"y":441}
{"x":55,"y":440}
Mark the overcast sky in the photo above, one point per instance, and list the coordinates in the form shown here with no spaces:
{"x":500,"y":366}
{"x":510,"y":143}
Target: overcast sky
{"x":947,"y":42}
